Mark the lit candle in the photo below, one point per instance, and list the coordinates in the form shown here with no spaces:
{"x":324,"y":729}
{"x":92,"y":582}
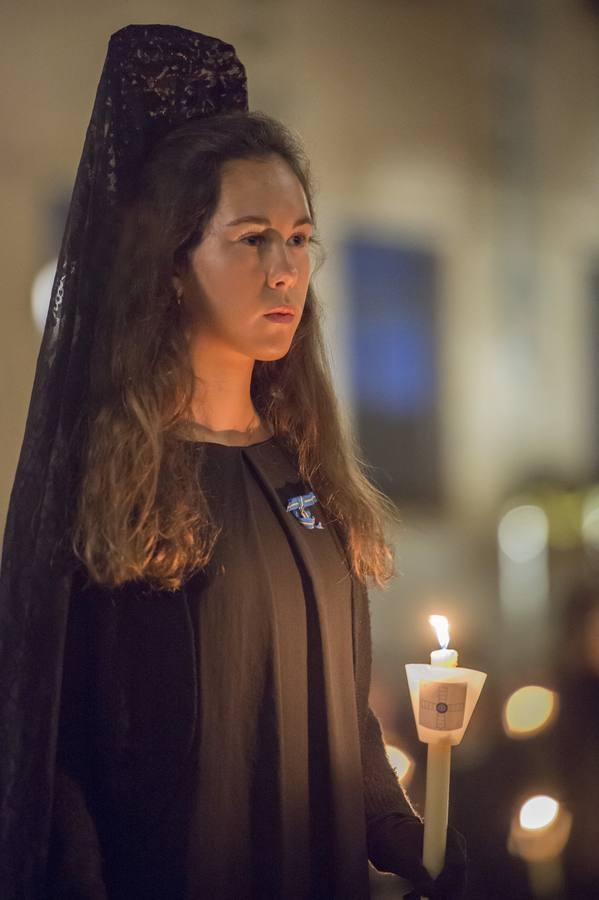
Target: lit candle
{"x":438,"y":765}
{"x":443,"y":698}
{"x":442,"y":657}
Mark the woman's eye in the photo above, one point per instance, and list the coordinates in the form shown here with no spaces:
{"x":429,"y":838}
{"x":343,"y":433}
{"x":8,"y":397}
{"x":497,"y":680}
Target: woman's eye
{"x":303,"y":239}
{"x":251,"y":237}
{"x":259,"y":238}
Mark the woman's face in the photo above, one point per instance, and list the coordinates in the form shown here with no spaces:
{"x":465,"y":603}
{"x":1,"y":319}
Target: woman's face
{"x":242,"y":270}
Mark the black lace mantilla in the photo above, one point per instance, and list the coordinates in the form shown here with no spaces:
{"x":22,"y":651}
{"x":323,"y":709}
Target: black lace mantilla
{"x":155,"y":77}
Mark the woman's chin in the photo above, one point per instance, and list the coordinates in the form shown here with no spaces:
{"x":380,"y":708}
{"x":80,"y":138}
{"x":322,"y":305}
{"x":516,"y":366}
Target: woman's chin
{"x":271,"y":354}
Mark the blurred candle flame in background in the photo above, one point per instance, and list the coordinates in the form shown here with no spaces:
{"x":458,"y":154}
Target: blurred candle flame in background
{"x":538,"y":812}
{"x":529,"y":710}
{"x":539,"y":832}
{"x":401,"y":762}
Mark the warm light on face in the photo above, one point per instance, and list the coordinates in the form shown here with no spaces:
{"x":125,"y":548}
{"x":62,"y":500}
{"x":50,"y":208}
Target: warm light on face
{"x":238,"y":273}
{"x":441,"y":626}
{"x":528,"y":711}
{"x":401,"y":762}
{"x":538,"y":812}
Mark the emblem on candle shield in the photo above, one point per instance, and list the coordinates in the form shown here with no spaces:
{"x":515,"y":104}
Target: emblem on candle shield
{"x":299,"y":507}
{"x":442,"y":705}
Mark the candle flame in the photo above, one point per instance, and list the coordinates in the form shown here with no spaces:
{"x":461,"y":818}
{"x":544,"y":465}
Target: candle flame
{"x":441,"y":626}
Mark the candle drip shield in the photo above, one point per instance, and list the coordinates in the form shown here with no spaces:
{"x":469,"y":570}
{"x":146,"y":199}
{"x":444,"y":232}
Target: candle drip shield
{"x":443,"y":700}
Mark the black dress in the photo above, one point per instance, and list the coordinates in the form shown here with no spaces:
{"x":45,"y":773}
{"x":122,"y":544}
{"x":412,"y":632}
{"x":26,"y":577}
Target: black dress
{"x":216,"y":741}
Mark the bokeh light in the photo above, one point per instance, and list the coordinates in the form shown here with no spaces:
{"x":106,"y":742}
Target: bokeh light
{"x":590,"y":518}
{"x":523,"y":533}
{"x":538,"y":812}
{"x":539,"y":831}
{"x":529,"y":710}
{"x":401,"y":762}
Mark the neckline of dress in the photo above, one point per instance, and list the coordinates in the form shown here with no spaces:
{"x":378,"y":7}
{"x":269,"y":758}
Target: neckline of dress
{"x":236,"y":446}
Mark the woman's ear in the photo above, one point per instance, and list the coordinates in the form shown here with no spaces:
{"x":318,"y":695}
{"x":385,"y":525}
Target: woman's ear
{"x":177,"y":284}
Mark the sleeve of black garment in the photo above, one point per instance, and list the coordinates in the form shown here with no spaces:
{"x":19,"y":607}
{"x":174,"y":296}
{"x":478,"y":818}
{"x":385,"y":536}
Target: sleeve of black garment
{"x":385,"y":800}
{"x":75,"y":859}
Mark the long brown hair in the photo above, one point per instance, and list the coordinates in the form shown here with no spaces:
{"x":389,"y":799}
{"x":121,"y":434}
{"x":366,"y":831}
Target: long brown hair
{"x":141,"y":512}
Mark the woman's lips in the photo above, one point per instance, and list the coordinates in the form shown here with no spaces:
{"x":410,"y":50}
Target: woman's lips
{"x":280,"y":317}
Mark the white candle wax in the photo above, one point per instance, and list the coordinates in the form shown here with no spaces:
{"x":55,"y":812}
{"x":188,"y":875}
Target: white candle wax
{"x":436,"y":807}
{"x":438,"y":764}
{"x":444,"y":657}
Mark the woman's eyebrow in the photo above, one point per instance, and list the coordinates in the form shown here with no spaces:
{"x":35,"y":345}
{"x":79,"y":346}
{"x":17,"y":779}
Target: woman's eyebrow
{"x":261,"y":220}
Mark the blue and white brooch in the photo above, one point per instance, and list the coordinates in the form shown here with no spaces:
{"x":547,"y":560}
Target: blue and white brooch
{"x":299,"y":507}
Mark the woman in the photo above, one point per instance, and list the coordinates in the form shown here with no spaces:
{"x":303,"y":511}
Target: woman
{"x":214,"y":735}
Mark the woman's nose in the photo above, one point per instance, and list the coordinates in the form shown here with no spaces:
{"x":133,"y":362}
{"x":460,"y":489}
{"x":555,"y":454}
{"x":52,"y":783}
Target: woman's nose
{"x":281,"y":269}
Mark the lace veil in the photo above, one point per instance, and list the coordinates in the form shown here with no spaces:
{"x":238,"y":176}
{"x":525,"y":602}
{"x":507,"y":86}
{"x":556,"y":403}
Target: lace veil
{"x":154,"y":78}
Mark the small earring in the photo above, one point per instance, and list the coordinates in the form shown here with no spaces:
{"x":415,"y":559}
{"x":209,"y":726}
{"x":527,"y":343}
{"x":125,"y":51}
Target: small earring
{"x":179,"y":298}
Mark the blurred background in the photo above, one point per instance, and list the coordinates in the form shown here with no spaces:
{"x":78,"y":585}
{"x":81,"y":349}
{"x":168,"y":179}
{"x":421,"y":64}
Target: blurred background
{"x":456,"y":152}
